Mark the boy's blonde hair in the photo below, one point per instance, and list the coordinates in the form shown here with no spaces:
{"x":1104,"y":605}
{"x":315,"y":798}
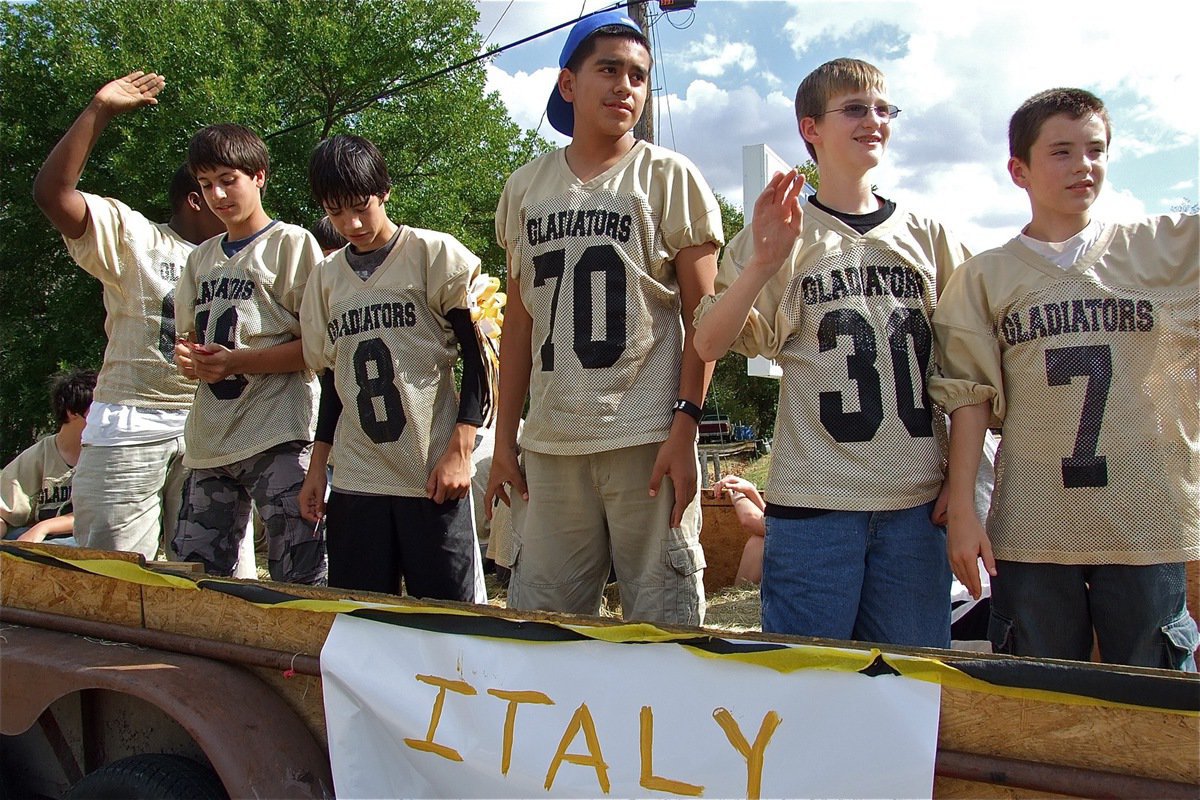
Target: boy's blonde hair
{"x":832,"y":78}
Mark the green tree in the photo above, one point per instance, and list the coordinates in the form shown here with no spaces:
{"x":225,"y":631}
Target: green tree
{"x":294,"y":71}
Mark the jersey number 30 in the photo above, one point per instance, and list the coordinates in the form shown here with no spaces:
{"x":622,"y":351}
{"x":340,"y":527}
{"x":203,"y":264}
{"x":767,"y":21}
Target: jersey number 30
{"x":861,"y":425}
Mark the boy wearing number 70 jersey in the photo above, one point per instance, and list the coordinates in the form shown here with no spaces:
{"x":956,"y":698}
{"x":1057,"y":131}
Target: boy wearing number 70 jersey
{"x":251,"y":426}
{"x":384,"y":318}
{"x":841,"y":296}
{"x":1081,"y":340}
{"x":609,"y":241}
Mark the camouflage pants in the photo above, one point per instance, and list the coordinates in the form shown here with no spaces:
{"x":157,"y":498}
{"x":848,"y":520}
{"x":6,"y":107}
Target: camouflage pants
{"x":216,"y":509}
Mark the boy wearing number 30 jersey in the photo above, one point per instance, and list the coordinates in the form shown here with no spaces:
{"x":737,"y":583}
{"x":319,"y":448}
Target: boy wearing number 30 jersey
{"x":384,"y":318}
{"x":841,"y":296}
{"x":1081,"y":340}
{"x":251,"y":426}
{"x":609,"y":241}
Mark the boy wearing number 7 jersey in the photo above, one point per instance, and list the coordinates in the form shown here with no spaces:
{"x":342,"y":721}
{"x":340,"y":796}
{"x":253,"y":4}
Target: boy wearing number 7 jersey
{"x":384,"y":318}
{"x":609,"y":241}
{"x":841,"y":296}
{"x":251,"y":426}
{"x":1081,"y":340}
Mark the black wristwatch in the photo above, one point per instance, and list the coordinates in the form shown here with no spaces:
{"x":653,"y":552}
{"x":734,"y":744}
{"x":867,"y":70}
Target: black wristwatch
{"x":688,"y":407}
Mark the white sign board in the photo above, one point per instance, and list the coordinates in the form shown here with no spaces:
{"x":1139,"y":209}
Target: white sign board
{"x":415,"y":713}
{"x":759,"y":164}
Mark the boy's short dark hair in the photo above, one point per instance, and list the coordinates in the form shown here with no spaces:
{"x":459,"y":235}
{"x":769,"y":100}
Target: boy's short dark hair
{"x":327,"y":236}
{"x":1027,"y":122}
{"x":72,"y":391}
{"x":345,"y":169}
{"x":588,"y":45}
{"x":833,"y":78}
{"x":228,"y":145}
{"x":183,"y":183}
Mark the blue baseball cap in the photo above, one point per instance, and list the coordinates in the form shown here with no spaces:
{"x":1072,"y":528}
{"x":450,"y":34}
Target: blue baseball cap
{"x":560,"y":113}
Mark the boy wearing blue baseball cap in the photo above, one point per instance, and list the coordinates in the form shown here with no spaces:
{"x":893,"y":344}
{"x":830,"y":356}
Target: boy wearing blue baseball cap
{"x":611,"y":242}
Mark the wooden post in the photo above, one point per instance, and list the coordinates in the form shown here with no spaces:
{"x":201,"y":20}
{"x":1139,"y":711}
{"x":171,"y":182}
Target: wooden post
{"x":644,"y":129}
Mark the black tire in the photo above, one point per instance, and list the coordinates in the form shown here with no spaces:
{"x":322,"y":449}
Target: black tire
{"x":150,"y":776}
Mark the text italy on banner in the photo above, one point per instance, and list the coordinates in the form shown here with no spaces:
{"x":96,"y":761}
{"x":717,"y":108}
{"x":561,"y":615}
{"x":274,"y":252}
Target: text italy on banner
{"x":414,"y":713}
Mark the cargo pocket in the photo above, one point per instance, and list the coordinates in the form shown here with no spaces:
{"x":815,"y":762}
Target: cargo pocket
{"x":1181,"y":638}
{"x":1001,"y":633}
{"x":687,"y":561}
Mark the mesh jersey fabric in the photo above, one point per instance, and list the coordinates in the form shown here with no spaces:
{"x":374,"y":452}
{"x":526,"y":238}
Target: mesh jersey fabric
{"x":392,"y":351}
{"x":595,"y":261}
{"x":1091,"y":371}
{"x":847,"y":317}
{"x":250,"y":300}
{"x":138,"y":262}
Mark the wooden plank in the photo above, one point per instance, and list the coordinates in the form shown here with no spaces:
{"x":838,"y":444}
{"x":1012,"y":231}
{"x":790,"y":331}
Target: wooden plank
{"x":1124,"y":740}
{"x":61,"y":590}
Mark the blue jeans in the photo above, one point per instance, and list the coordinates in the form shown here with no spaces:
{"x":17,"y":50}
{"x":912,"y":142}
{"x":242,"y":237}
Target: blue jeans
{"x":876,"y":576}
{"x":1139,"y":613}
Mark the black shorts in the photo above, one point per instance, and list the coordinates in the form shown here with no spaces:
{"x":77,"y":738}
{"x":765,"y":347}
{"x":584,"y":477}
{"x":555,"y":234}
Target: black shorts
{"x":375,"y":541}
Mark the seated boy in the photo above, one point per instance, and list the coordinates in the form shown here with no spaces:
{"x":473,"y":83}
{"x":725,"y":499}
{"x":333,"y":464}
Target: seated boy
{"x":609,"y":241}
{"x":35,"y":487}
{"x":841,"y":295}
{"x":130,"y":477}
{"x":251,"y":426}
{"x":387,"y":316}
{"x":1080,"y":339}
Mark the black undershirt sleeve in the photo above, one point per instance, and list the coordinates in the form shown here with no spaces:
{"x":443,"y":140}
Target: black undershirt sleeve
{"x":329,"y":410}
{"x":475,"y":392}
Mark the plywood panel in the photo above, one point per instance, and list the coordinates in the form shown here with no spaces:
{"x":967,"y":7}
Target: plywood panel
{"x":1122,"y":740}
{"x":722,"y":537}
{"x":61,"y":590}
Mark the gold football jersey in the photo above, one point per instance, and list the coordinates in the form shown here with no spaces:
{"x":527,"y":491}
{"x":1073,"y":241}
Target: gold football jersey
{"x":1091,"y":371}
{"x":392,"y":351}
{"x":847,"y":318}
{"x":595,"y":261}
{"x":139,"y":263}
{"x":36,"y":485}
{"x":249,"y":300}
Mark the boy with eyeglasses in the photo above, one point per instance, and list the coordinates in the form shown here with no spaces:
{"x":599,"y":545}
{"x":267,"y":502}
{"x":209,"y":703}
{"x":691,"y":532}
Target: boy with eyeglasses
{"x":1081,"y":340}
{"x":841,"y":294}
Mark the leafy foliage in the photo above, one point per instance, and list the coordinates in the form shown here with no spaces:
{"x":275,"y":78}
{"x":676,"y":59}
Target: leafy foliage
{"x":294,"y":71}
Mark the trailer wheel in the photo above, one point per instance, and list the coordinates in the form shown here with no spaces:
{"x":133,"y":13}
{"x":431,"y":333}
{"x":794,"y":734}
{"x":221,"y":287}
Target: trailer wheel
{"x":150,"y":776}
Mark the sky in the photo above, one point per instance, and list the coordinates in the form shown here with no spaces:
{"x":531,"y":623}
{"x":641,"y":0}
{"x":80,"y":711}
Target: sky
{"x":726,"y":74}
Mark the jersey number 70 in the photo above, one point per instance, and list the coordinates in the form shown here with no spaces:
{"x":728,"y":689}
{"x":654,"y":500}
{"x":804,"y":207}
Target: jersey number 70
{"x":602,"y":258}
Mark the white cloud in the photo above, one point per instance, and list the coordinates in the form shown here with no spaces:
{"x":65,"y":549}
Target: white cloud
{"x":711,"y":57}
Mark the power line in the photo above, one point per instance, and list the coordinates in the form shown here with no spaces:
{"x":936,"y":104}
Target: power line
{"x":361,"y":105}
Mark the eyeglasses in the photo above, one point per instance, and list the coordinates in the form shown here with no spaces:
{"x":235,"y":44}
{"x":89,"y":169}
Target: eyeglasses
{"x":859,"y":111}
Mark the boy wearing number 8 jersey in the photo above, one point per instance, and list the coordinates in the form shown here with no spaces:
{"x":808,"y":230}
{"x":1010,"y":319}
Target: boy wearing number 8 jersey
{"x":609,"y":241}
{"x":251,"y":426}
{"x":1081,"y":340}
{"x":841,"y":296}
{"x":384,"y":318}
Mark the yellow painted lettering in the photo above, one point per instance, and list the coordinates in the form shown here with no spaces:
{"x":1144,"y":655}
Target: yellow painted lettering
{"x":648,"y":779}
{"x":582,"y":718}
{"x":510,"y":718}
{"x":753,"y":755}
{"x":427,"y":744}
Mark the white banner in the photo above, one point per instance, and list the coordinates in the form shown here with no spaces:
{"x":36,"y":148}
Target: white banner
{"x":412,"y":713}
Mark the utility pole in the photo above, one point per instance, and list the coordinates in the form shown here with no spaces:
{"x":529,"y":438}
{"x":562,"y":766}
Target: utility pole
{"x":645,"y":126}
